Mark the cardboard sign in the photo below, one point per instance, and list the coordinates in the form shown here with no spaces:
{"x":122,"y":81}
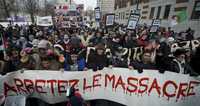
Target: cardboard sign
{"x":45,"y":21}
{"x":110,"y":18}
{"x":133,"y":20}
{"x":97,"y":13}
{"x":155,"y":25}
{"x":120,"y":85}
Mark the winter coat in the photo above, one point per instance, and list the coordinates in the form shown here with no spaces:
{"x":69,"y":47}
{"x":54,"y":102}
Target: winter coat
{"x":185,"y":68}
{"x":97,"y":62}
{"x":80,"y":64}
{"x":140,"y":65}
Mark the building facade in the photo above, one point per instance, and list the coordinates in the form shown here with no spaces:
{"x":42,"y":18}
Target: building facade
{"x":160,"y":9}
{"x":106,"y":6}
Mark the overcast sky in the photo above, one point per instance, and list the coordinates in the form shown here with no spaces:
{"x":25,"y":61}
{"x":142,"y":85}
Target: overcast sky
{"x":87,"y":3}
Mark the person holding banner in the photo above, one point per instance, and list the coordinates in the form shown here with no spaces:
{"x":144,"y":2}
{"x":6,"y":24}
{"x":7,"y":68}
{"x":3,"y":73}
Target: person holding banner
{"x":97,"y":59}
{"x":179,"y":64}
{"x":145,"y":62}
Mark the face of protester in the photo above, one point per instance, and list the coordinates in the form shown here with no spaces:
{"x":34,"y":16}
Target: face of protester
{"x":31,"y":37}
{"x":74,"y":57}
{"x":85,"y":34}
{"x":100,"y":51}
{"x":56,"y":38}
{"x":181,"y":58}
{"x":42,"y":52}
{"x":45,"y":64}
{"x":146,"y":58}
{"x":98,"y":34}
{"x":15,"y":54}
{"x":14,"y":40}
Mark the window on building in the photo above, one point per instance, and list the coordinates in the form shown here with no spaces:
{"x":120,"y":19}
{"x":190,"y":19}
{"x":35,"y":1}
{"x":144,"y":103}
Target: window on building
{"x":145,"y":7}
{"x":167,"y":11}
{"x":158,"y":13}
{"x":123,"y":15}
{"x":152,"y":12}
{"x":181,"y":1}
{"x":180,"y":9}
{"x":143,"y":17}
{"x":133,"y":2}
{"x":196,"y":11}
{"x":116,"y":4}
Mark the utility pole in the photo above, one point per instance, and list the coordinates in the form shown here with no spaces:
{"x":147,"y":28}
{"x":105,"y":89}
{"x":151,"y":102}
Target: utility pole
{"x":137,"y":1}
{"x":45,"y":6}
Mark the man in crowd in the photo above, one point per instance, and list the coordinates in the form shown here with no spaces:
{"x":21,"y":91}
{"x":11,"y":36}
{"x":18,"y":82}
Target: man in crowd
{"x":97,"y":58}
{"x":179,"y":64}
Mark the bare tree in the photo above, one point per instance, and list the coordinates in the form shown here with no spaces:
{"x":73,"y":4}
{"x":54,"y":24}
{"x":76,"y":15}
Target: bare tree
{"x":48,"y":8}
{"x":16,"y":7}
{"x":6,"y":7}
{"x":31,"y":7}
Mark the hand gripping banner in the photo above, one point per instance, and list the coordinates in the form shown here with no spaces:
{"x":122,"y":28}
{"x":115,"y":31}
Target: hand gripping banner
{"x":120,"y":85}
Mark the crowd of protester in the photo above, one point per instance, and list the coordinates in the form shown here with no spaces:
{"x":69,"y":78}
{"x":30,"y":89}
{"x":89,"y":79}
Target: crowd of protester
{"x":80,"y":49}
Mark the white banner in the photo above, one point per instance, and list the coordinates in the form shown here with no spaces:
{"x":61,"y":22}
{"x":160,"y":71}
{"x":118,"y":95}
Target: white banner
{"x":45,"y":21}
{"x":120,"y":85}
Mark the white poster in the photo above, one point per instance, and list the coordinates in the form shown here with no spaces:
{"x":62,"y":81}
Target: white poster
{"x":121,"y":85}
{"x":45,"y":21}
{"x":155,"y":25}
{"x":156,"y":22}
{"x":133,"y":20}
{"x":110,"y":18}
{"x":97,"y":13}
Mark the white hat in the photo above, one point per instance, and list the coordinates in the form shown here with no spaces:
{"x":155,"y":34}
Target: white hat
{"x":43,"y":44}
{"x":35,"y":42}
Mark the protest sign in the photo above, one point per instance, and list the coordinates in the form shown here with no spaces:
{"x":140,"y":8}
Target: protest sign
{"x":155,"y":25}
{"x":97,"y":13}
{"x":120,"y":85}
{"x":45,"y":21}
{"x":133,"y":20}
{"x":110,"y":18}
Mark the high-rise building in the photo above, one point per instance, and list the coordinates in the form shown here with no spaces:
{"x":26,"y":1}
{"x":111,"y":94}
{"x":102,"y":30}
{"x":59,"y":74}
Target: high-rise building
{"x":106,"y":6}
{"x":161,"y":9}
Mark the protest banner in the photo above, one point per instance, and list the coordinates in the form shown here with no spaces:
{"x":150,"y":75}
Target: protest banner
{"x":120,"y":85}
{"x":45,"y":21}
{"x":133,"y":21}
